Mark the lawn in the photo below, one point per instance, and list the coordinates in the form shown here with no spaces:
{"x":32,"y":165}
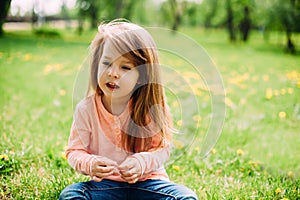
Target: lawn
{"x":256,"y":157}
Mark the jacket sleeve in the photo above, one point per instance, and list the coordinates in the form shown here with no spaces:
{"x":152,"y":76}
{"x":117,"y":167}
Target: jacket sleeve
{"x":153,"y":160}
{"x":77,"y":153}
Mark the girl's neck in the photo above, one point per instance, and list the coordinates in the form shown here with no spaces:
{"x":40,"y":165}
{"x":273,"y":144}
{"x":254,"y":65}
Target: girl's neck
{"x":114,"y":106}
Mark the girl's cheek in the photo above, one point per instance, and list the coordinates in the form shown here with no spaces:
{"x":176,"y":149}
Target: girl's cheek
{"x":100,"y":74}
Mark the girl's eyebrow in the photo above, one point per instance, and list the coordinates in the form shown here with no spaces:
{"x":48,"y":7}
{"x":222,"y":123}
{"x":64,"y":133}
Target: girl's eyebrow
{"x":126,"y":60}
{"x":106,"y":57}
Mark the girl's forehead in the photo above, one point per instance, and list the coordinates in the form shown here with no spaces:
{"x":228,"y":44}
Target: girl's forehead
{"x":111,"y":52}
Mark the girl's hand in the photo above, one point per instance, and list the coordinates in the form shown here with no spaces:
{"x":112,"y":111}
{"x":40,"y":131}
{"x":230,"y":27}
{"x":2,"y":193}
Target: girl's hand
{"x":130,"y":170}
{"x":103,"y":167}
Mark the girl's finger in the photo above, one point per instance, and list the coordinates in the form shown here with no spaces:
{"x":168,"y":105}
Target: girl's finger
{"x":131,"y":172}
{"x":103,"y":175}
{"x":103,"y":169}
{"x":128,"y":164}
{"x":97,"y":179}
{"x":132,"y":179}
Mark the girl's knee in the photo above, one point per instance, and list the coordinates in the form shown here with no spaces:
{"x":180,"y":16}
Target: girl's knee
{"x":186,"y":193}
{"x":73,"y":191}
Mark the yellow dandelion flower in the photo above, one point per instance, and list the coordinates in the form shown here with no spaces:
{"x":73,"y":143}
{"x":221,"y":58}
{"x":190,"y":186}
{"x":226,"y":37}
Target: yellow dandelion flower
{"x":27,"y":57}
{"x":52,"y":67}
{"x":265,"y":78}
{"x":252,"y":163}
{"x":282,"y":115}
{"x":3,"y":157}
{"x":290,"y":91}
{"x":292,"y":75}
{"x":229,"y":103}
{"x":298,"y":84}
{"x":179,"y":123}
{"x":197,"y":118}
{"x":240,"y":152}
{"x":63,"y":155}
{"x":213,"y":151}
{"x":62,"y":92}
{"x":175,"y":104}
{"x":197,"y":92}
{"x":178,"y":144}
{"x":276,"y":93}
{"x":278,"y":191}
{"x":269,"y":93}
{"x":282,"y":91}
{"x":284,"y":198}
{"x":176,"y":167}
{"x":246,"y":76}
{"x":291,"y":174}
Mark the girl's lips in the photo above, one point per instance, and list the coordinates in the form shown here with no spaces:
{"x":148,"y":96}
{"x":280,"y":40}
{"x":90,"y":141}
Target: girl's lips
{"x":112,"y":86}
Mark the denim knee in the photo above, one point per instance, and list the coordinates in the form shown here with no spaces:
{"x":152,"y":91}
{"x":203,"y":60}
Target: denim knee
{"x":72,"y":192}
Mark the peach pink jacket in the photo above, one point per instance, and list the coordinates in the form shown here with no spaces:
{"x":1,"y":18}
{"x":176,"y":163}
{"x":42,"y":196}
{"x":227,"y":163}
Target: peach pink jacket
{"x":95,"y":131}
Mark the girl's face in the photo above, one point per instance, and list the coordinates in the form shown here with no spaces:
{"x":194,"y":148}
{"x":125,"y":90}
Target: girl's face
{"x":117,"y":75}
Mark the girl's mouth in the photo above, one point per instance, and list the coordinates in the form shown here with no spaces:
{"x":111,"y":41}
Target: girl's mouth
{"x":112,"y":86}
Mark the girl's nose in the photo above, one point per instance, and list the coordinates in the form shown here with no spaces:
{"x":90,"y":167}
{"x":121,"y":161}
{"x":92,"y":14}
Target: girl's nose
{"x":113,"y":72}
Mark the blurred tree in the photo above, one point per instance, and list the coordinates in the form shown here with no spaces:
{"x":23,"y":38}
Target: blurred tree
{"x":172,"y":11}
{"x":238,"y":18}
{"x":4,"y":8}
{"x":65,"y":13}
{"x":230,"y":21}
{"x":212,"y":7}
{"x":176,"y":10}
{"x":285,"y":16}
{"x":190,"y":12}
{"x":88,"y":9}
{"x":245,"y":24}
{"x":96,"y":11}
{"x":128,"y":9}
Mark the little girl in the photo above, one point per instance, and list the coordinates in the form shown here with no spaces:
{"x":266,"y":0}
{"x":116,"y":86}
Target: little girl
{"x":121,"y":132}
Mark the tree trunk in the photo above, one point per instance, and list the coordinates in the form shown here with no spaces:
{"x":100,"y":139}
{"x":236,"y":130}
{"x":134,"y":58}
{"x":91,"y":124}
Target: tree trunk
{"x":245,"y":24}
{"x":94,"y":16}
{"x":211,"y":14}
{"x":4,"y":8}
{"x":230,"y":24}
{"x":290,"y":45}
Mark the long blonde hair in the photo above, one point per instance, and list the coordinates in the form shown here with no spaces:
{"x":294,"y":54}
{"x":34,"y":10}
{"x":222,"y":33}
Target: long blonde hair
{"x":148,"y":99}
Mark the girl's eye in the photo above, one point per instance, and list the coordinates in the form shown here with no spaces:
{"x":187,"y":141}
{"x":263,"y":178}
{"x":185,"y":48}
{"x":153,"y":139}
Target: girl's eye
{"x":126,"y":67}
{"x":106,"y":63}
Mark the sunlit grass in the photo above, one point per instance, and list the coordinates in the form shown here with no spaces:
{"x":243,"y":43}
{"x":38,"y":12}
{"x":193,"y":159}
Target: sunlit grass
{"x":256,"y":157}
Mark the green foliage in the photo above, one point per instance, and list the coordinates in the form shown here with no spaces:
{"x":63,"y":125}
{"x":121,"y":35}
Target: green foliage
{"x":8,"y":164}
{"x":47,"y":33}
{"x":256,"y":156}
{"x":4,"y":8}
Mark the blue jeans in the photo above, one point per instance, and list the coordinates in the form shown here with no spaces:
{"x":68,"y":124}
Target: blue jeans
{"x":111,"y":190}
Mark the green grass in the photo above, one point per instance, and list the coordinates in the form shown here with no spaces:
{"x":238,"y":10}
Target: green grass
{"x":256,"y":157}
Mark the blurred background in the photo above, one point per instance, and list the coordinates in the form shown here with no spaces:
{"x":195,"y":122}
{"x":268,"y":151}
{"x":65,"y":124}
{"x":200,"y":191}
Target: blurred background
{"x":237,"y":17}
{"x":254,"y":45}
